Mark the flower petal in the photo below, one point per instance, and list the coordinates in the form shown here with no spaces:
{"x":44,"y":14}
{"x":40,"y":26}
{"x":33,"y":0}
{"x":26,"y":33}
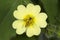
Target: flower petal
{"x":33,"y":30}
{"x":43,"y":24}
{"x":37,"y":9}
{"x":42,"y":16}
{"x":21,"y":8}
{"x":29,"y":6}
{"x":20,"y":12}
{"x":37,"y":30}
{"x":17,"y":24}
{"x":41,"y":20}
{"x":29,"y":32}
{"x":33,"y":8}
{"x":21,"y":30}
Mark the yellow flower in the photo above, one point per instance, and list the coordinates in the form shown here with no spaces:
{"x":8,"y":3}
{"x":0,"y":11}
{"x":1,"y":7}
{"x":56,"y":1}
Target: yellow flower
{"x":30,"y":19}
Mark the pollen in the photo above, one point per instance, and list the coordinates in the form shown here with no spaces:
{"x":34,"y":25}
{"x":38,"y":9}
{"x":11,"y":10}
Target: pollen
{"x":29,"y":20}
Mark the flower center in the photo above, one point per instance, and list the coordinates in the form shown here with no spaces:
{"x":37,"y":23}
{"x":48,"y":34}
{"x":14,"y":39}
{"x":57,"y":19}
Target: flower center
{"x":29,"y":20}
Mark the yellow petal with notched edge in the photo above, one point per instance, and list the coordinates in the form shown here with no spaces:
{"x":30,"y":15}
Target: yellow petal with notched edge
{"x":19,"y":26}
{"x":42,"y":16}
{"x":33,"y":8}
{"x":36,"y":30}
{"x":21,"y":30}
{"x":41,"y":20}
{"x":20,"y":12}
{"x":33,"y":30}
{"x":21,"y":8}
{"x":43,"y":24}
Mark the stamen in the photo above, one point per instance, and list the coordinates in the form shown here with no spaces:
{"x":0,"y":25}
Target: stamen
{"x":29,"y":20}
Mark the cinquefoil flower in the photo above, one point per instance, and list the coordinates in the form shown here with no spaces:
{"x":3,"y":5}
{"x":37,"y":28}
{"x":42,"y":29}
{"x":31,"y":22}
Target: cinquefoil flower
{"x":30,"y":20}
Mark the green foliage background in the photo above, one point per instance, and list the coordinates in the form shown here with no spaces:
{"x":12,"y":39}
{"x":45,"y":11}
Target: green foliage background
{"x":51,"y":7}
